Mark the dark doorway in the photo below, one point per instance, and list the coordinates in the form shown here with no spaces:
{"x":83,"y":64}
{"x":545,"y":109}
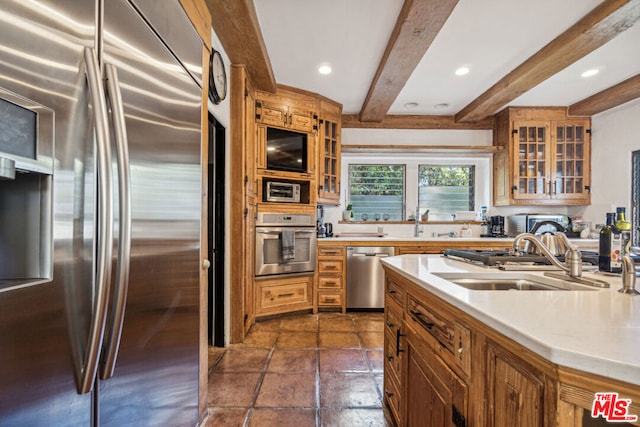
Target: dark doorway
{"x":216,"y":221}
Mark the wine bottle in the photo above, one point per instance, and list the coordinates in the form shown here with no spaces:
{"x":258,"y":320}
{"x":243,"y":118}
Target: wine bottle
{"x":604,"y":250}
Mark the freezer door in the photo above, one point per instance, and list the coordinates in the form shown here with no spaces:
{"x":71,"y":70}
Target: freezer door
{"x":155,"y":381}
{"x":44,"y":327}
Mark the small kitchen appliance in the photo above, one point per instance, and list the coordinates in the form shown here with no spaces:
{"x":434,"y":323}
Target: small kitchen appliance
{"x":496,"y":226}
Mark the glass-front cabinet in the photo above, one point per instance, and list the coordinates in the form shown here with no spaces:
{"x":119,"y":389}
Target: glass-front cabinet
{"x":329,"y":153}
{"x":548,"y":160}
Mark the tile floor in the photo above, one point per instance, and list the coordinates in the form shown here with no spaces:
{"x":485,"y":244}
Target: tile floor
{"x":305,"y":370}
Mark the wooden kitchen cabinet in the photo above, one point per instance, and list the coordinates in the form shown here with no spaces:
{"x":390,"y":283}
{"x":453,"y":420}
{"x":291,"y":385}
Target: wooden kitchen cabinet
{"x":329,"y":152}
{"x":283,"y":294}
{"x":331,"y":291}
{"x":287,"y":109}
{"x":544,"y":157}
{"x":394,"y":350}
{"x":516,"y":390}
{"x":438,"y":247}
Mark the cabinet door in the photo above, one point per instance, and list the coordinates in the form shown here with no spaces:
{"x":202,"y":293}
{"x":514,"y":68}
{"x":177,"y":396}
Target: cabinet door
{"x":270,"y":113}
{"x":516,"y":390}
{"x":571,"y":160}
{"x":301,"y":120}
{"x":531,"y":163}
{"x":329,"y":157}
{"x":435,"y":395}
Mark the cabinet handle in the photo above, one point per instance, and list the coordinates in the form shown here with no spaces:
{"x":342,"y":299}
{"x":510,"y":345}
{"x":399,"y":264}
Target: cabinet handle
{"x":457,"y":418}
{"x":392,"y":292}
{"x":389,"y":324}
{"x":418,"y":314}
{"x":290,"y":294}
{"x":398,"y":349}
{"x":549,"y":184}
{"x":388,"y":394}
{"x":389,"y":357}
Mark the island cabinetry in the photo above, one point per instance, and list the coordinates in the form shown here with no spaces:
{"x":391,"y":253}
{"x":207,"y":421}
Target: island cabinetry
{"x":518,"y":393}
{"x":545,"y":157}
{"x":331,"y":291}
{"x":283,"y":294}
{"x":394,"y":349}
{"x":329,"y":125}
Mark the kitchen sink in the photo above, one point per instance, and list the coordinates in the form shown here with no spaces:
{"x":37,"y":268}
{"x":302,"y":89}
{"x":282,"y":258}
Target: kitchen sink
{"x":510,"y":281}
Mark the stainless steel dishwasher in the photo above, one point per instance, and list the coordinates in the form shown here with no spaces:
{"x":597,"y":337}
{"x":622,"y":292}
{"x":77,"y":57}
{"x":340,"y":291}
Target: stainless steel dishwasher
{"x":365,"y":277}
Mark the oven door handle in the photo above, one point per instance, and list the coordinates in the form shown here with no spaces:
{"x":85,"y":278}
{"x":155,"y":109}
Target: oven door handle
{"x":277,"y":233}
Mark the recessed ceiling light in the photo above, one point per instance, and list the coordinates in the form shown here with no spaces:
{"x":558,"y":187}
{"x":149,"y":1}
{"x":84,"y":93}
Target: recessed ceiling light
{"x":324,"y":69}
{"x":462,"y":71}
{"x":410,"y":105}
{"x":591,"y":72}
{"x":441,"y":105}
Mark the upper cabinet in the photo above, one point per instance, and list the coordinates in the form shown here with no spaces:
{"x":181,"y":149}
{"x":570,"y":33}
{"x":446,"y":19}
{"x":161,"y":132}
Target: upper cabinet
{"x":544,"y":160}
{"x":287,"y":109}
{"x":329,"y":152}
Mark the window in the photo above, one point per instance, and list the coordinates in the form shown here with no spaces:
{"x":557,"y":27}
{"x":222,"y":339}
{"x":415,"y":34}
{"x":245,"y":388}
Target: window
{"x":376,"y":192}
{"x":445,"y":189}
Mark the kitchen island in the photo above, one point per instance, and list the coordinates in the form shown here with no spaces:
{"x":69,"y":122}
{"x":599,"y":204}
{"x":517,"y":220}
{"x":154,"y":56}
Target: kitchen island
{"x":491,"y":357}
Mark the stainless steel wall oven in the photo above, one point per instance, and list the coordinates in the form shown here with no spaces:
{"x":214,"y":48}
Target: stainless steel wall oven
{"x":285,"y":243}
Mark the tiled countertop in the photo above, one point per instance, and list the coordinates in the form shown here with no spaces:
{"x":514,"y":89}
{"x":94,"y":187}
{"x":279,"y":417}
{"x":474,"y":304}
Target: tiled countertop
{"x":593,"y":331}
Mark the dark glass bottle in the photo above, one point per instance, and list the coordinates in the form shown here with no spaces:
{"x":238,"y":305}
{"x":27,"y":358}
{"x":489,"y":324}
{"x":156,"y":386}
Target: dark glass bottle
{"x":604,"y":252}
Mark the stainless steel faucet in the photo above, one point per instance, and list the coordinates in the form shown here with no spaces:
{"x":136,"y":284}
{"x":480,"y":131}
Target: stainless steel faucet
{"x":417,"y":224}
{"x":573,"y":261}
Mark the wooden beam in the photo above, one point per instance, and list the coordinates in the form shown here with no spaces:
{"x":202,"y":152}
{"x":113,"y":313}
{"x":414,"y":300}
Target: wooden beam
{"x":417,"y":25}
{"x":602,"y":24}
{"x":414,"y":122}
{"x":612,"y":97}
{"x":236,"y":25}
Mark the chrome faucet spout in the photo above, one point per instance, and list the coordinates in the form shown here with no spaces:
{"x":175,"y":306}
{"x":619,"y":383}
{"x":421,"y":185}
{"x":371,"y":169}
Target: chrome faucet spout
{"x":573,"y":260}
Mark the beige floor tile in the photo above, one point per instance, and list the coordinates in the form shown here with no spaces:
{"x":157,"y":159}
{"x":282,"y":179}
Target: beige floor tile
{"x":271,"y":325}
{"x":283,"y":418}
{"x":215,"y":354}
{"x":259,"y":339}
{"x":287,"y":391}
{"x":338,"y":340}
{"x":369,"y":325}
{"x":293,"y":361}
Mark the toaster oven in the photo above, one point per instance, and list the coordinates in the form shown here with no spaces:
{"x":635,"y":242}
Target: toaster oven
{"x":524,"y":223}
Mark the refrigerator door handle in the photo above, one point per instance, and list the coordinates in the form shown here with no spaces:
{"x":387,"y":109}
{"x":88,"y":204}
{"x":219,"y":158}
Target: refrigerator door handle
{"x":104,"y":236}
{"x":114,"y":328}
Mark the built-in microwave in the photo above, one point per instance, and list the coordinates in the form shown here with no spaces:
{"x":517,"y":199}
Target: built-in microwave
{"x":287,"y":192}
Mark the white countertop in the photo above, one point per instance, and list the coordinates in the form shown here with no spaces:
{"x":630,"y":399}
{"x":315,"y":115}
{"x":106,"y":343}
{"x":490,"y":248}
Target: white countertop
{"x":593,"y":331}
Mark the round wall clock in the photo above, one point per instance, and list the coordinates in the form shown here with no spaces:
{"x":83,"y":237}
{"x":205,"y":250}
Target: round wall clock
{"x":217,"y":78}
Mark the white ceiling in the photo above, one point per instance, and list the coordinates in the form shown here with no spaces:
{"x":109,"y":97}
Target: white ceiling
{"x":491,"y":37}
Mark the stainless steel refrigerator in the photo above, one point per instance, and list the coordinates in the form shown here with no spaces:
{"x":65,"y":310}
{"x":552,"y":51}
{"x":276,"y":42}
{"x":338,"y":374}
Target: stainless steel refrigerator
{"x":100,"y":177}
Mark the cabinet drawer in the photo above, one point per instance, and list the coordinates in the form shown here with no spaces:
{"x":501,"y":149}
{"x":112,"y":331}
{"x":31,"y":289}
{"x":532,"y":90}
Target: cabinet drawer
{"x":434,"y":323}
{"x":394,"y":291}
{"x":393,"y":357}
{"x":331,"y":299}
{"x":283,"y":295}
{"x":330,"y":252}
{"x":330,"y":266}
{"x":391,"y":320}
{"x":330,"y":282}
{"x":392,"y":396}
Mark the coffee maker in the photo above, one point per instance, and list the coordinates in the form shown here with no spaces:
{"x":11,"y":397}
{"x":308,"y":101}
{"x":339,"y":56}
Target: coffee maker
{"x":322,"y":229}
{"x":496,"y":226}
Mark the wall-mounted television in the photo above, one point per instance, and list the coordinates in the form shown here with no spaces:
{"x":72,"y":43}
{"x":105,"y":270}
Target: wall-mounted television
{"x":286,"y":150}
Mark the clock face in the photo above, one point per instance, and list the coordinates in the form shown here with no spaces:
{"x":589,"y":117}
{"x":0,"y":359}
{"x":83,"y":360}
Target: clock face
{"x":218,"y":81}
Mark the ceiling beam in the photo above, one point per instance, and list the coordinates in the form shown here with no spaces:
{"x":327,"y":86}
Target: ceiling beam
{"x":417,"y":25}
{"x":612,"y":97}
{"x":235,"y":22}
{"x":602,"y":24}
{"x":414,"y":122}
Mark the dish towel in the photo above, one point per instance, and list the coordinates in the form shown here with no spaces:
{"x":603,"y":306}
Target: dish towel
{"x":288,"y":244}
